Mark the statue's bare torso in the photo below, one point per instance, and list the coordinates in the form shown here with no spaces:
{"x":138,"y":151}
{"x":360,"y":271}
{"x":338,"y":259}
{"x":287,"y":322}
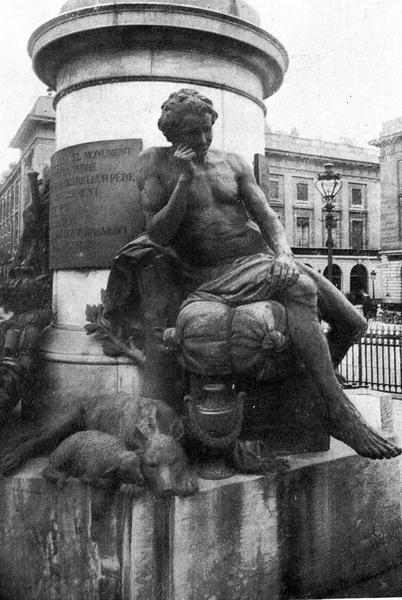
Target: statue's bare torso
{"x":216,"y":226}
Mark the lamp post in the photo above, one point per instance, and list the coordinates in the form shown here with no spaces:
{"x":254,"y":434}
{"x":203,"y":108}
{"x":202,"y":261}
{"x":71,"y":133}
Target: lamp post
{"x":329,"y":185}
{"x":373,"y":275}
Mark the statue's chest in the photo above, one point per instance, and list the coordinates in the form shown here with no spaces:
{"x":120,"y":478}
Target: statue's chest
{"x":214,"y":187}
{"x":223,"y":183}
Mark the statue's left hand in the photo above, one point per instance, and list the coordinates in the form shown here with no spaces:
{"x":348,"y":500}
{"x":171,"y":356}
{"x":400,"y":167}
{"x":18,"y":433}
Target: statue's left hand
{"x":282,"y":273}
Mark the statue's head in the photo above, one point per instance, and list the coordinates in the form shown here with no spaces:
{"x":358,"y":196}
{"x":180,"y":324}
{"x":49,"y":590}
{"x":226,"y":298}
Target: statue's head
{"x":187,"y":118}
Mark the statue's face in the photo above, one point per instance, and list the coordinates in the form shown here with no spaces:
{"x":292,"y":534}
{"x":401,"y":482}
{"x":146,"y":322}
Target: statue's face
{"x":195,"y":131}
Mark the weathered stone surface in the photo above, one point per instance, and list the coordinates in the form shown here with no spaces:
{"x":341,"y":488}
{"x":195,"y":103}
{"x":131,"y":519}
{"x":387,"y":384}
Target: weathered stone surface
{"x":339,"y":524}
{"x":385,"y":585}
{"x":224,"y":542}
{"x":332,"y":521}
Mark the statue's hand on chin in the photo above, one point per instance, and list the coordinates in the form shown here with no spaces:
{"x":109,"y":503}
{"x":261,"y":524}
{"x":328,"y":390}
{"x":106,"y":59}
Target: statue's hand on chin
{"x":184,"y":156}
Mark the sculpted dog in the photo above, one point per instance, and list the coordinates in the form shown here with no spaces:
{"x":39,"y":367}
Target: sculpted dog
{"x":144,"y":425}
{"x":164,"y":464}
{"x":96,"y":458}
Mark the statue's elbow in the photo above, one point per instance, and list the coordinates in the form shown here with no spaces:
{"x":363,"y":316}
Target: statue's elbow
{"x":156,"y":236}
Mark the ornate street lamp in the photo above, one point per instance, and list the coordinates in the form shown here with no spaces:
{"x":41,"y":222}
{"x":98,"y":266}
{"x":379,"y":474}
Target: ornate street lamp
{"x":373,"y":275}
{"x":329,"y":184}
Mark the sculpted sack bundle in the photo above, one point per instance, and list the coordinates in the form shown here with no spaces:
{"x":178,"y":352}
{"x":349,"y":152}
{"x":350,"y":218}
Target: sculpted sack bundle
{"x":217,"y":339}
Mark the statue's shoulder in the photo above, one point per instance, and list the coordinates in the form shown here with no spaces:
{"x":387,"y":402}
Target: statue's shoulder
{"x":155,"y":155}
{"x":236,"y":161}
{"x":152,"y":162}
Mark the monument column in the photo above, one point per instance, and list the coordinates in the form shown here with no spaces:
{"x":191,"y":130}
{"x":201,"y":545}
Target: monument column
{"x":112,"y":64}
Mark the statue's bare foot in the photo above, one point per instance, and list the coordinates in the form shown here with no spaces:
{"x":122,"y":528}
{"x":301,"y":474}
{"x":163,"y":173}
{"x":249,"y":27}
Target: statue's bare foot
{"x":347,"y":424}
{"x":253,"y":457}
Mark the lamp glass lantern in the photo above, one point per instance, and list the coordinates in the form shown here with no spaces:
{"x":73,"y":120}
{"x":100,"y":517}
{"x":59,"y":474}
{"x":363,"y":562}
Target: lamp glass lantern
{"x":329,"y":184}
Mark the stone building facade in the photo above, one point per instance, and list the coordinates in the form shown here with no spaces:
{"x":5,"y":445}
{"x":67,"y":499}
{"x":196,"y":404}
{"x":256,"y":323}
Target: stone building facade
{"x":288,"y":178}
{"x":35,"y":139}
{"x":390,"y":144}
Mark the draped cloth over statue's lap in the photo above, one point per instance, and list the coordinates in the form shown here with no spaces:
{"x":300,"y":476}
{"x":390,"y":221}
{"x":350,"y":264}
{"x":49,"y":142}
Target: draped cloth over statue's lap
{"x":242,"y":281}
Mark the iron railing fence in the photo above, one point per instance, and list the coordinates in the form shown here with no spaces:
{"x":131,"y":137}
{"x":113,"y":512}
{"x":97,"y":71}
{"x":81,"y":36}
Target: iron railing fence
{"x":376,"y":359}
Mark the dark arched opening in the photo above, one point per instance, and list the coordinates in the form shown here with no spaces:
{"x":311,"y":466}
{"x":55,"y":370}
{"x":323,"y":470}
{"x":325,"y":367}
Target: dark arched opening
{"x":336,"y":276}
{"x":358,"y":283}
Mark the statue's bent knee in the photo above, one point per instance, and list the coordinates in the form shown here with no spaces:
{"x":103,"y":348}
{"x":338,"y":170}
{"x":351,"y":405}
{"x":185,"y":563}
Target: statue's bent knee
{"x":303,"y":288}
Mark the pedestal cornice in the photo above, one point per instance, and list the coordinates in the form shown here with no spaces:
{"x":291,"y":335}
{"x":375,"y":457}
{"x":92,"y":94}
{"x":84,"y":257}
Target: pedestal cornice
{"x":71,"y":34}
{"x":387,"y":140}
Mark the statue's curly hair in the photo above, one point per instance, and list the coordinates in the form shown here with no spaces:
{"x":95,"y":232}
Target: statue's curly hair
{"x":178,"y":105}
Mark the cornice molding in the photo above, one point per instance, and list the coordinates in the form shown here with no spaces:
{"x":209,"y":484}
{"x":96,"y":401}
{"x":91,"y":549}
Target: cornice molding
{"x":53,"y":42}
{"x":316,"y":158}
{"x":387,"y":140}
{"x":323,"y":252}
{"x":158,"y":78}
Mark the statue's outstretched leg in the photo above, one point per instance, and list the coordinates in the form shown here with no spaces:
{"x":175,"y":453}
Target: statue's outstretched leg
{"x":345,"y":421}
{"x":346,"y":322}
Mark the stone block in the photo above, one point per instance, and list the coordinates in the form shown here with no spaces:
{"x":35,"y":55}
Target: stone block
{"x":330,"y":522}
{"x":376,"y":407}
{"x":339,"y":524}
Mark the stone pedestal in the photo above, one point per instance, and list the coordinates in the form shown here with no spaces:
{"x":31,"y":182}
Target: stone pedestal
{"x":112,"y":65}
{"x":331,"y":521}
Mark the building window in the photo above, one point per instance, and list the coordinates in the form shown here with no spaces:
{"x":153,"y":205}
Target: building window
{"x":399,"y":177}
{"x":274,"y":190}
{"x":357,"y":197}
{"x":303,"y":232}
{"x":357,"y":234}
{"x":301,"y":192}
{"x":9,"y":217}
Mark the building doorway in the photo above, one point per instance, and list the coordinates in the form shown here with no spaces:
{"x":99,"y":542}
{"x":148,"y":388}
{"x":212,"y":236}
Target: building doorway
{"x":358,"y":283}
{"x":336,"y":276}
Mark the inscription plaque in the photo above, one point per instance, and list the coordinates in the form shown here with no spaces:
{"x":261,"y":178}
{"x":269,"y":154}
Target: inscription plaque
{"x":94,"y":203}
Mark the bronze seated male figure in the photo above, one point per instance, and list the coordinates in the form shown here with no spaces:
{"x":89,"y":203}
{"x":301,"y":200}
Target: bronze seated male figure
{"x":206,"y":214}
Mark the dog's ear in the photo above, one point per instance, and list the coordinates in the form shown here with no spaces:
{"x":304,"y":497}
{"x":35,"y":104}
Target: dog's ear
{"x":139,"y":438}
{"x":176,"y":429}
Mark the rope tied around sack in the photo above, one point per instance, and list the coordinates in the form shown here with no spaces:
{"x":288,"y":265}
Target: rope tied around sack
{"x":229,"y":325}
{"x":274,"y":341}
